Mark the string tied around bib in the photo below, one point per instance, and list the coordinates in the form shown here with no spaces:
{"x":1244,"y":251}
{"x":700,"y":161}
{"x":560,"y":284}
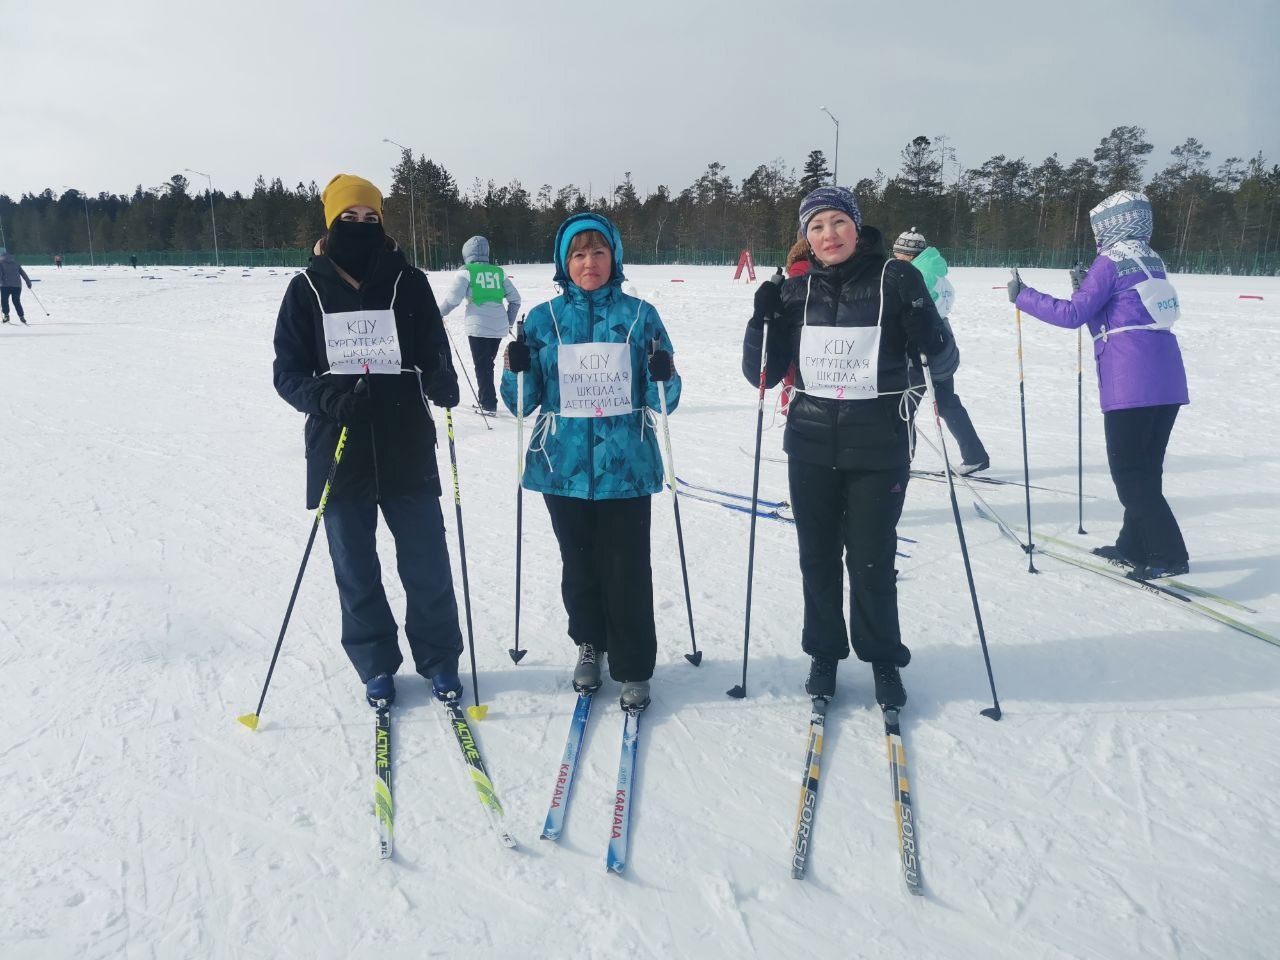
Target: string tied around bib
{"x":545,"y":426}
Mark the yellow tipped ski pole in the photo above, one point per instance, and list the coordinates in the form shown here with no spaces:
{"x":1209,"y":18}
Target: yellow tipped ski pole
{"x":477,"y":712}
{"x":250,"y":720}
{"x":1026,"y":465}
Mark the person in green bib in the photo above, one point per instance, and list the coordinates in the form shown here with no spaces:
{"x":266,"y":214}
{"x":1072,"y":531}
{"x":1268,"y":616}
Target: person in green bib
{"x":483,"y":287}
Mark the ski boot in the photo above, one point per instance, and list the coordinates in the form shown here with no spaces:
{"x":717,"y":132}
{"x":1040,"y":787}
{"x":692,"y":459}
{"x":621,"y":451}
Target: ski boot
{"x":586,"y":675}
{"x":1112,"y":554}
{"x":634,"y":696}
{"x":822,"y":678}
{"x":381,"y":687}
{"x":1155,"y":569}
{"x":890,"y":693}
{"x":446,"y":684}
{"x":967,"y":469}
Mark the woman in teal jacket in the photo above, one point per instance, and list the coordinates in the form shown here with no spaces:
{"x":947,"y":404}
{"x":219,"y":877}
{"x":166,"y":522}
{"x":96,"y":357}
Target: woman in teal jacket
{"x":593,"y":361}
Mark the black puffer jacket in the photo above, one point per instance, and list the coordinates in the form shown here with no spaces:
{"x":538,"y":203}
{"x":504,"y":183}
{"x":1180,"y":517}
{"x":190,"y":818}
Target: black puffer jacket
{"x":850,"y":434}
{"x":401,"y":432}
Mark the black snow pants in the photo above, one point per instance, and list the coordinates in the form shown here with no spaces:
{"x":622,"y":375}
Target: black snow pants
{"x":956,"y":417}
{"x":422,"y":560}
{"x":607,"y":583}
{"x":16,"y":294}
{"x":849,"y":515}
{"x":483,"y":352}
{"x":1136,"y":442}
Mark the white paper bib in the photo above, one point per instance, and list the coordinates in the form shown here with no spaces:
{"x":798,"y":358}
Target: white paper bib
{"x":1160,"y":299}
{"x":840,"y":363}
{"x":362,"y":340}
{"x":595,"y":379}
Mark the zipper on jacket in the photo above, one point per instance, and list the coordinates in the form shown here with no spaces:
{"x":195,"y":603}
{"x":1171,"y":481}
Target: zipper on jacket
{"x":373,"y":432}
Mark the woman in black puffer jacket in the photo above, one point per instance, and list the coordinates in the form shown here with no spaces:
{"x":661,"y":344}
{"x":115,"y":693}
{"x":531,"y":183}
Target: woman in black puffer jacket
{"x":849,"y":325}
{"x":360,"y":344}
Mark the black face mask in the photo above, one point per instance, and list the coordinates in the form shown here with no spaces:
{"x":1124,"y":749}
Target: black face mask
{"x":352,"y":244}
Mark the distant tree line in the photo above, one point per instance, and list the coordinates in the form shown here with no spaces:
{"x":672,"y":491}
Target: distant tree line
{"x":1005,"y":210}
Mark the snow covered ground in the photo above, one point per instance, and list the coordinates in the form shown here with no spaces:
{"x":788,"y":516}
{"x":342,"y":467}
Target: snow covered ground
{"x":151,"y":526}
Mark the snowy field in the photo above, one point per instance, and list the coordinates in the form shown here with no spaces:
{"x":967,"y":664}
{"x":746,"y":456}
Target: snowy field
{"x":151,"y":528}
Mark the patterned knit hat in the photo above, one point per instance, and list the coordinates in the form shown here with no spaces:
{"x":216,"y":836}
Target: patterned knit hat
{"x":910,"y":242}
{"x":829,"y":198}
{"x":1122,"y":216}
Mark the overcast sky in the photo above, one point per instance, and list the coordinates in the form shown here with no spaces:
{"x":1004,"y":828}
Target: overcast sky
{"x":109,"y":95}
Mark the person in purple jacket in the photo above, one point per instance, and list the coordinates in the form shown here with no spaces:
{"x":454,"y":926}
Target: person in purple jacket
{"x":1129,"y":306}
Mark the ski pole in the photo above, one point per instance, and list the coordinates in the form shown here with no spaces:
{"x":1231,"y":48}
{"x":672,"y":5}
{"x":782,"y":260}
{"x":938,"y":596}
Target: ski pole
{"x":463,"y":365}
{"x":1075,"y":286}
{"x":515,"y":652}
{"x":740,"y":690}
{"x":31,"y":291}
{"x":992,"y":711}
{"x":250,"y":720}
{"x":696,"y":657}
{"x":477,"y":712}
{"x":1026,"y":466}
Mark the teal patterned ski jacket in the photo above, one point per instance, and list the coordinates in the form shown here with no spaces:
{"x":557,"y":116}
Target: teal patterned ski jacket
{"x":592,"y":458}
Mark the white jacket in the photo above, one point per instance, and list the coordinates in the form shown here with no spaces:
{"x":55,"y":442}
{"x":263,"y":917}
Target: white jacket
{"x":481,"y":319}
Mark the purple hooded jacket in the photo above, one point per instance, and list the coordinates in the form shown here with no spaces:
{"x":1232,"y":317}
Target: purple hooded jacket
{"x":1141,"y":368}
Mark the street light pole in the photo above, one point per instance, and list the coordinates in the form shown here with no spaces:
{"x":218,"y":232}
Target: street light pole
{"x":835,"y":163}
{"x":413,"y":217}
{"x":216,"y":259}
{"x":87,"y":227}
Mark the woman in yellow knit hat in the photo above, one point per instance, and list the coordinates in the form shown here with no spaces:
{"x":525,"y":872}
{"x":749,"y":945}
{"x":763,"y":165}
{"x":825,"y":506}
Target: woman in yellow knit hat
{"x":359,"y":343}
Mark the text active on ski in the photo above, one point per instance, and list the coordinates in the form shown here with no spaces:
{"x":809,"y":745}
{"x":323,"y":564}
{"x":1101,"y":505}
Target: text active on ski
{"x":382,"y":801}
{"x":485,"y":791}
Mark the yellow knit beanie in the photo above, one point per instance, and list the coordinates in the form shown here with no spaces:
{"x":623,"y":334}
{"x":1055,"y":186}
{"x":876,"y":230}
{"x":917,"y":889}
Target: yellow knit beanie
{"x":347,"y":190}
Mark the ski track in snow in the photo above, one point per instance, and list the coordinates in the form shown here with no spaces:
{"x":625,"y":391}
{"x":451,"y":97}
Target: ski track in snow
{"x":154,"y":522}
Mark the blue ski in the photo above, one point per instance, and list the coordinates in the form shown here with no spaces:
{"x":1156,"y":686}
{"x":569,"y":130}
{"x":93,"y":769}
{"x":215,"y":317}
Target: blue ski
{"x":554,"y":826}
{"x":776,"y":504}
{"x":616,"y":861}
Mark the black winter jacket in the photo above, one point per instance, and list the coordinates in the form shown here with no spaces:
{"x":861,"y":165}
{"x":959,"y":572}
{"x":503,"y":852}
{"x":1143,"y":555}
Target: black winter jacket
{"x":850,"y":434}
{"x":395,"y":452}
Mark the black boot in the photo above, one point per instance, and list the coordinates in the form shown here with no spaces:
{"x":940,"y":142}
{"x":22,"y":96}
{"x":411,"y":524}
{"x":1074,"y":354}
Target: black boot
{"x":586,"y":675}
{"x":822,"y":678}
{"x":890,"y":693}
{"x":1156,"y":568}
{"x":1112,"y":554}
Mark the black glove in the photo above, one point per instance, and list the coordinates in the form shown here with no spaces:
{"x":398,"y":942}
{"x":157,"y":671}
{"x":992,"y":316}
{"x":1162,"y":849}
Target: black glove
{"x":768,"y":302}
{"x":351,"y":408}
{"x":519,"y":360}
{"x":28,"y":284}
{"x":442,"y":389}
{"x":1077,"y":274}
{"x":1016,"y":286}
{"x":661,"y":366}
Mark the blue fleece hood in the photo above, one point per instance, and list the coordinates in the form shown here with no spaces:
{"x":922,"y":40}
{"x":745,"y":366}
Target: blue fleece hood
{"x":579,"y":223}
